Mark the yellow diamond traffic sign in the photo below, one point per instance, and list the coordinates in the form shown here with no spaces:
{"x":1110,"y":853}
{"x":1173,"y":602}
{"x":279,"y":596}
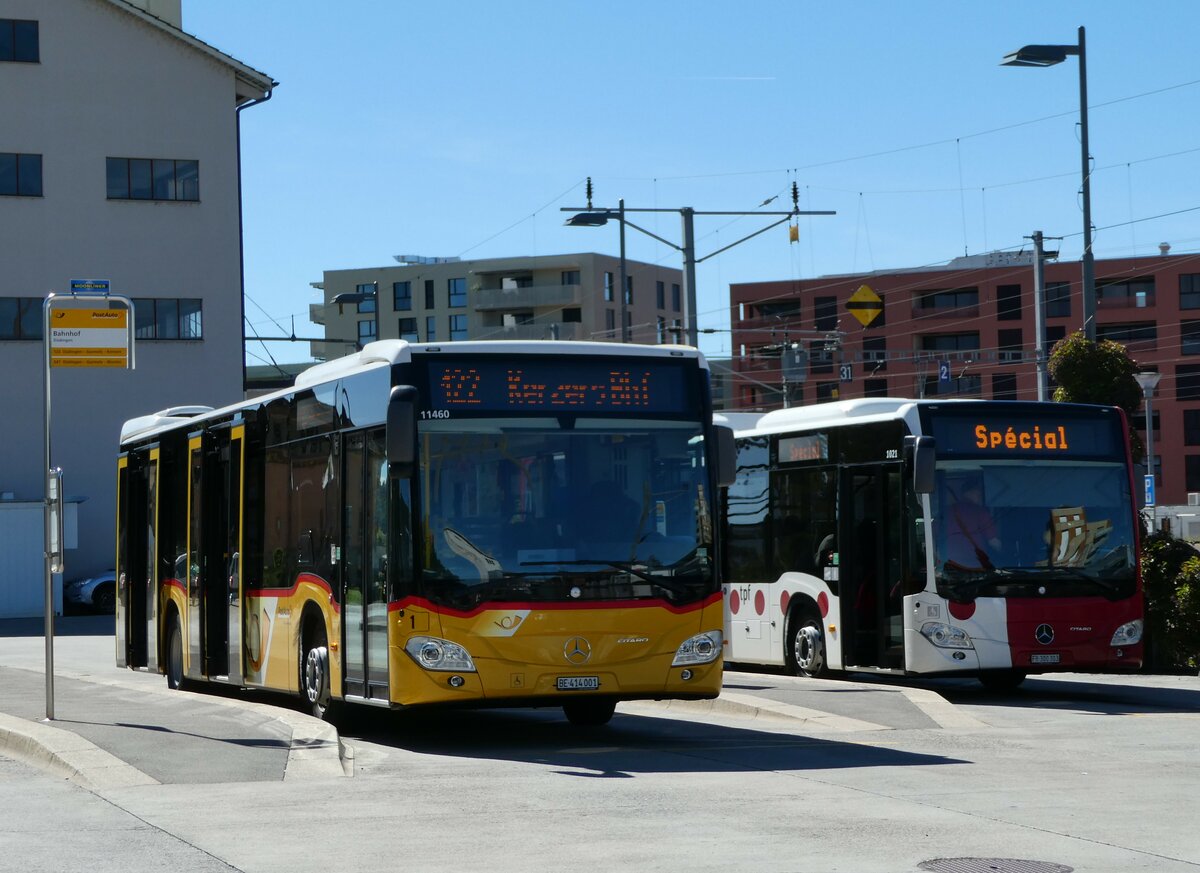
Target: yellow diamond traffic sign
{"x":865,"y":305}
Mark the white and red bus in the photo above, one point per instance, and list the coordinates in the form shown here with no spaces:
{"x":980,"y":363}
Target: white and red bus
{"x":933,"y":537}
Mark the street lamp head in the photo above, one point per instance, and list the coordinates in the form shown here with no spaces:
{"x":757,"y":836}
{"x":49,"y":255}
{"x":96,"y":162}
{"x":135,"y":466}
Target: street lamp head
{"x":1148,"y":381}
{"x":352,"y":297}
{"x":589,"y":219}
{"x":1039,"y":55}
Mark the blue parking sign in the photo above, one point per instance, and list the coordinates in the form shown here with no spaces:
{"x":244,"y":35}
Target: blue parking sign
{"x":1149,"y":480}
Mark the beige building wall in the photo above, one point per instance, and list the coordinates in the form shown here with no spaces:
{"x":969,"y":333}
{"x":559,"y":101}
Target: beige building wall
{"x":112,"y":81}
{"x":568,"y":297}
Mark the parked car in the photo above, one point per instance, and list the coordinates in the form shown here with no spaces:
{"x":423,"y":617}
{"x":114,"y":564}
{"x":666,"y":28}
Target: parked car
{"x":98,"y":593}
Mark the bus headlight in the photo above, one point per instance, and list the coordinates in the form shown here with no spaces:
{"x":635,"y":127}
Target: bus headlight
{"x":434,"y":654}
{"x":1127,"y":634}
{"x":946,"y":636}
{"x":701,"y":649}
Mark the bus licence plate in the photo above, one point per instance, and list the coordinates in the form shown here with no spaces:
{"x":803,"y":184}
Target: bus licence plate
{"x":578,"y":683}
{"x":1044,"y":659}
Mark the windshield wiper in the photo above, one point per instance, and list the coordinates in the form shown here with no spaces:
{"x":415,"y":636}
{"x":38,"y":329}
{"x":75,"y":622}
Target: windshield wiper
{"x":972,"y":581}
{"x":624,"y":566}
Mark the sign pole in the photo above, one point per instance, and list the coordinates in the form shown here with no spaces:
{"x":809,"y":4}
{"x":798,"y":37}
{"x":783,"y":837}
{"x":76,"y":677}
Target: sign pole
{"x":93,"y":329}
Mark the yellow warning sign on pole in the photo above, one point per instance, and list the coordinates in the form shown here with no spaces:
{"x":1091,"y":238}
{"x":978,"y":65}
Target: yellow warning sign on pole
{"x":865,"y":305}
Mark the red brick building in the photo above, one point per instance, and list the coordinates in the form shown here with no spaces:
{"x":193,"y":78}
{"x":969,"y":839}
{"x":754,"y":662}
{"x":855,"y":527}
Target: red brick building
{"x":967,"y":330}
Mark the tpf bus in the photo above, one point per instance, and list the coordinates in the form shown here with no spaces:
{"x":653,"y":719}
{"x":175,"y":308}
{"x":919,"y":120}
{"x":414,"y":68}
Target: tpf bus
{"x":933,"y":537}
{"x":517,"y":524}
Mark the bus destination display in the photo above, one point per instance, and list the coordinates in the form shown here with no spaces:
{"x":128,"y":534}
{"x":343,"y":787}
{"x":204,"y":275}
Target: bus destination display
{"x":558,"y":386}
{"x":1026,"y":435}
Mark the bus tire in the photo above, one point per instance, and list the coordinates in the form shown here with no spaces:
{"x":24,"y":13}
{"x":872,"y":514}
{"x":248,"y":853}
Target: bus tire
{"x":1002,"y":680}
{"x":174,"y":659}
{"x":314,"y":670}
{"x":589,"y":713}
{"x":806,"y":654}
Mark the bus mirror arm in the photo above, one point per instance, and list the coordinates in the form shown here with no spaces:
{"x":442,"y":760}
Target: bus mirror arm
{"x":921,"y":453}
{"x":402,"y":431}
{"x":726,"y":456}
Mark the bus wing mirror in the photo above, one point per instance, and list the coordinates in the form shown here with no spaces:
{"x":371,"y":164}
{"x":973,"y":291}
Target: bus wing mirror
{"x":726,"y":456}
{"x":402,"y":431}
{"x":923,"y":456}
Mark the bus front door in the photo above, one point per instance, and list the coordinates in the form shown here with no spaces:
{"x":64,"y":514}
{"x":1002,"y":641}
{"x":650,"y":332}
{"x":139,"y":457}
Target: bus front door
{"x":871,"y":594}
{"x":137,"y":587}
{"x":365,"y":566}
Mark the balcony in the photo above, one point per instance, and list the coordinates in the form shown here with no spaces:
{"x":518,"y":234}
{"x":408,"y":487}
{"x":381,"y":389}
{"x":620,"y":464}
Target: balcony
{"x":536,"y":331}
{"x":316,"y":313}
{"x":534,"y":296}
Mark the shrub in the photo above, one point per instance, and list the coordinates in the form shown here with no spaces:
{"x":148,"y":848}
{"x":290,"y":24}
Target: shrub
{"x":1171,"y":579}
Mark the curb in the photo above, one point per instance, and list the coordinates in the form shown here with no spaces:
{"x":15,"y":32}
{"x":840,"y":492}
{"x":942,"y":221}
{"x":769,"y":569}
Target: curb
{"x":67,"y":754}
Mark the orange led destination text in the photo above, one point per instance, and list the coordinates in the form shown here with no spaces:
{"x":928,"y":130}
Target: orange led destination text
{"x":1052,"y":439}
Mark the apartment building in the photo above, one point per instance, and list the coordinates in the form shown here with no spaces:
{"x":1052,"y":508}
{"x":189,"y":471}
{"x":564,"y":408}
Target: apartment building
{"x":431,"y":299}
{"x":968,"y":330}
{"x":118,"y":162}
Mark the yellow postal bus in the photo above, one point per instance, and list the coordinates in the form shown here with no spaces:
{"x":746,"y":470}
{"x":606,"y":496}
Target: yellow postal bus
{"x":498,"y":523}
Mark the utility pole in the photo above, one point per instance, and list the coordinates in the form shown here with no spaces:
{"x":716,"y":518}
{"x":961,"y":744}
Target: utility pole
{"x":1039,"y":314}
{"x":595,"y":216}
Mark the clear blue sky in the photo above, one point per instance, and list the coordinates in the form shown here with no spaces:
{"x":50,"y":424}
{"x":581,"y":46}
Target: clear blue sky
{"x":462,"y":128}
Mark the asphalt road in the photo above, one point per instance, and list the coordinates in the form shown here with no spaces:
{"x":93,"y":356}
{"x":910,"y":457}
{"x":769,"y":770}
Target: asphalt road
{"x":780,"y":774}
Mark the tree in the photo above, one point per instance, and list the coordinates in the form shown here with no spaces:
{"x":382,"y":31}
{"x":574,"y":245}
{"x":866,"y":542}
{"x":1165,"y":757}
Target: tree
{"x":1097,"y":372}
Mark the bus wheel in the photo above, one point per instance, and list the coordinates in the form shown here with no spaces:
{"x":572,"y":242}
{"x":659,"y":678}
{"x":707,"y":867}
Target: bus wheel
{"x":1002,"y":680}
{"x":174,"y":653}
{"x":589,"y":713}
{"x":806,"y":647}
{"x":314,"y":671}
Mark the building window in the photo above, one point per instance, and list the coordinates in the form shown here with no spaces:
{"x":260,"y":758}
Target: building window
{"x":825,"y":313}
{"x":820,"y":357}
{"x":1011,"y":344}
{"x":660,"y":295}
{"x":166,"y":318}
{"x":1189,"y":291}
{"x":153,"y":179}
{"x":1189,"y":337}
{"x":457,"y":289}
{"x":875,"y":354}
{"x":950,"y":342}
{"x":366,"y":331}
{"x":369,"y":292}
{"x":1004,"y":386}
{"x":572,"y":315}
{"x":1132,"y":335}
{"x":1058,"y":299}
{"x":430,"y":328}
{"x":628,"y":333}
{"x":662,"y":329}
{"x":1008,"y":302}
{"x":570,"y":277}
{"x":20,"y":318}
{"x":875,"y":388}
{"x":458,"y":328}
{"x":967,"y":383}
{"x":957,"y":301}
{"x":402,"y":296}
{"x":1191,"y":471}
{"x":675,"y":297}
{"x":430,"y":299}
{"x":1187,"y":382}
{"x":19,"y":40}
{"x":1053,"y":335}
{"x":407,"y":329}
{"x":610,"y":323}
{"x":1138,"y":293}
{"x":629,"y":290}
{"x":1191,"y":428}
{"x":608,"y":287}
{"x":827,"y":391}
{"x":20,"y":175}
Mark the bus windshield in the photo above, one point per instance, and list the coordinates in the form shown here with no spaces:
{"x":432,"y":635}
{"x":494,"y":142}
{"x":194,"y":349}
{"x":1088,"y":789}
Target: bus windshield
{"x":1033,"y":528}
{"x":557,"y":508}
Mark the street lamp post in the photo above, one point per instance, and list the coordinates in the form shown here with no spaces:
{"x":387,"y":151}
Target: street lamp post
{"x":357,"y":297}
{"x":594,"y":217}
{"x":1148,"y":381}
{"x":1047,"y":56}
